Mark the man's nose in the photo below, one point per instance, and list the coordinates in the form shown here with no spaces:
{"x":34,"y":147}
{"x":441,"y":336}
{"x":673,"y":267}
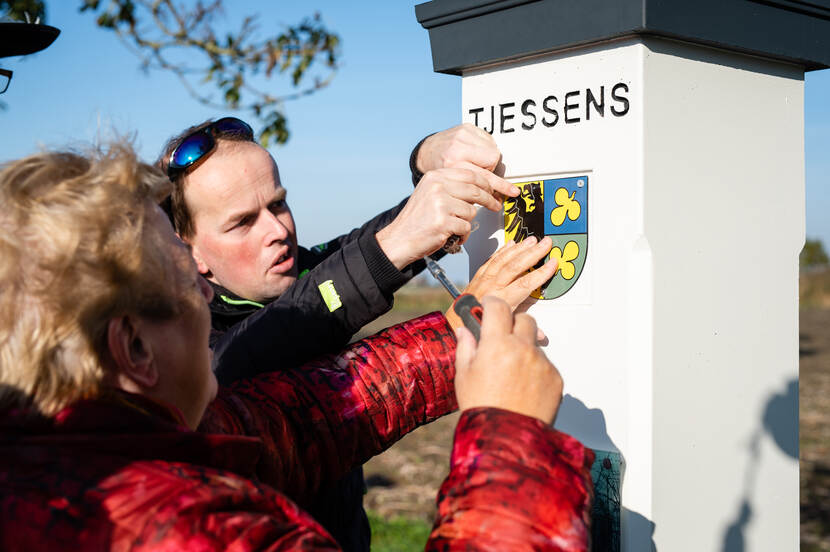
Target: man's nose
{"x":275,"y":228}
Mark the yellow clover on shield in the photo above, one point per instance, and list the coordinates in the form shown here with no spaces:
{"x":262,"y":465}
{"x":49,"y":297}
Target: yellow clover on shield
{"x":567,"y":206}
{"x":570,"y":252}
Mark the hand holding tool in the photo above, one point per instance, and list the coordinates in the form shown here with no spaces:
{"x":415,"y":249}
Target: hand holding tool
{"x":465,"y":305}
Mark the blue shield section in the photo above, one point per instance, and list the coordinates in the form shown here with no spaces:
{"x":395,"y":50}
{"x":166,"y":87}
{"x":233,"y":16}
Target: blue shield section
{"x":566,"y":205}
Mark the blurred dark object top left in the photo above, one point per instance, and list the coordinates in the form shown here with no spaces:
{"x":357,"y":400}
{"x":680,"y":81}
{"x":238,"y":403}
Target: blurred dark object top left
{"x":19,"y":39}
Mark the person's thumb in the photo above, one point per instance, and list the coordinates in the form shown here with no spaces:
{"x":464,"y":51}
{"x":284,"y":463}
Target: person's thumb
{"x":465,"y":350}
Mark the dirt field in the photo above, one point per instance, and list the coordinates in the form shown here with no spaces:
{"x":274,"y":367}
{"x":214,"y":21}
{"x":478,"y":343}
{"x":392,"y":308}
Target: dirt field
{"x":814,"y":426}
{"x":404,"y":480}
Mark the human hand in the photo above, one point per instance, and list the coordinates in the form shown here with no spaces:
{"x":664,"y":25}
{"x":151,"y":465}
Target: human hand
{"x":505,"y":275}
{"x":442,"y":205}
{"x":467,"y":147}
{"x":506,"y":369}
{"x":465,"y":143}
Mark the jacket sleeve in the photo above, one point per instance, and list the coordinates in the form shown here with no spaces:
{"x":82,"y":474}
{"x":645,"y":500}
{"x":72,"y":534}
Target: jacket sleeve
{"x":322,"y":419}
{"x":514,"y":484}
{"x":353,"y":284}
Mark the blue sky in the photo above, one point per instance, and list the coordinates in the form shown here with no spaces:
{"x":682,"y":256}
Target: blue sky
{"x":347,"y":158}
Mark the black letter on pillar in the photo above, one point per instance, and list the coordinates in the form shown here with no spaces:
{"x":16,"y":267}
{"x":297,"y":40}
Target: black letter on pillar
{"x":475,"y":113}
{"x":621,"y":99}
{"x":551,"y":110}
{"x":525,"y":105}
{"x":503,"y":117}
{"x":569,"y":106}
{"x":590,"y":99}
{"x":492,"y":120}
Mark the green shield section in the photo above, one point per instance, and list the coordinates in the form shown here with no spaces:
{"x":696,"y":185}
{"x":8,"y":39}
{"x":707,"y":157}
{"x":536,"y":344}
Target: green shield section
{"x":571,"y":249}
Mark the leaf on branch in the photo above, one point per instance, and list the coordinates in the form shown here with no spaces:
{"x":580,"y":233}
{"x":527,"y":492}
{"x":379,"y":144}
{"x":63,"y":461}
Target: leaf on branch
{"x":23,"y":10}
{"x":276,"y":128}
{"x":106,"y":21}
{"x":181,"y":38}
{"x":232,"y":96}
{"x":90,"y":5}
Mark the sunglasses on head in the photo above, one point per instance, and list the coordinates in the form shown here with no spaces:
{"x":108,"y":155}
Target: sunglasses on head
{"x":196,"y":145}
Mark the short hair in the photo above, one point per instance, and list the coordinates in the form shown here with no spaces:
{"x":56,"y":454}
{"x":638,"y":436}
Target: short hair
{"x":175,"y":205}
{"x":76,"y":250}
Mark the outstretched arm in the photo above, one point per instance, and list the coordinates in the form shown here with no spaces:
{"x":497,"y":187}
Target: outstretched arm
{"x":320,"y":420}
{"x":514,"y":483}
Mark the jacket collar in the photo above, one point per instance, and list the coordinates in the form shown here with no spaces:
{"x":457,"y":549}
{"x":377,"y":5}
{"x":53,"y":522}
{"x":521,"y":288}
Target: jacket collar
{"x":226,"y":302}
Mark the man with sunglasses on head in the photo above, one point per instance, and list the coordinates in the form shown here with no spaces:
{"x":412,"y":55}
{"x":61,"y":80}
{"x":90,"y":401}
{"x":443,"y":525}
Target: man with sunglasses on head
{"x":229,"y":204}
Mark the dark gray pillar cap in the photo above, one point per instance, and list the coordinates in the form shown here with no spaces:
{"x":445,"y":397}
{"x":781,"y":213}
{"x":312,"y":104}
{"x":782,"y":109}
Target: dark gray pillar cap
{"x":469,"y":33}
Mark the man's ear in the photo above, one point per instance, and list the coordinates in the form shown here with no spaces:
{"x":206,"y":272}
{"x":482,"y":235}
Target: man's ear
{"x":201,"y":265}
{"x":132,"y":354}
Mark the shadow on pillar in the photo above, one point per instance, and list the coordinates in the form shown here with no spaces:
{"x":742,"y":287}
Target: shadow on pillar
{"x":606,"y":535}
{"x":780,"y":423}
{"x":641,"y":530}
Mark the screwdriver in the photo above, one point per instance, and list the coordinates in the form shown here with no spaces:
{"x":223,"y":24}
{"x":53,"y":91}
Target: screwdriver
{"x":465,"y":305}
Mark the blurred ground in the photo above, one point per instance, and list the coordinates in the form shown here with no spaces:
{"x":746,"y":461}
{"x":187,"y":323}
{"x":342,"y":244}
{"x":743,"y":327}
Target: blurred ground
{"x":814,"y":411}
{"x":404,"y":480}
{"x":814,"y":426}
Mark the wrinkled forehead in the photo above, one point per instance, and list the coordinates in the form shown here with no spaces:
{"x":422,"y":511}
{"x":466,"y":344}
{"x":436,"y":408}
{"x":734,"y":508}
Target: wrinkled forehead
{"x":231,"y":168}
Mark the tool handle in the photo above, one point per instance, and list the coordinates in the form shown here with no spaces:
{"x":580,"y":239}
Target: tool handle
{"x":469,"y":310}
{"x":453,"y":244}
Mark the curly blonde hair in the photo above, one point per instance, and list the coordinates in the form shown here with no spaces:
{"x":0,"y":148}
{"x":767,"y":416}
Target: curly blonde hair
{"x":76,"y":250}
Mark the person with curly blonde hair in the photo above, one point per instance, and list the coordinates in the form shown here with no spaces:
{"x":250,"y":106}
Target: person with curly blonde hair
{"x":82,"y":266}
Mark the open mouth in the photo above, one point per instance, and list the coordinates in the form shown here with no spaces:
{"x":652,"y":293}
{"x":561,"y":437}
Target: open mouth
{"x":283,"y":263}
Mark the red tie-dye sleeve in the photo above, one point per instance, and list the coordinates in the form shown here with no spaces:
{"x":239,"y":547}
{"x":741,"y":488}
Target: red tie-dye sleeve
{"x":514,"y":484}
{"x":328,"y":416}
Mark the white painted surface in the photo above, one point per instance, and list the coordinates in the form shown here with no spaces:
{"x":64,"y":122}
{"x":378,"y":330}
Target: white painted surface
{"x":684,"y":322}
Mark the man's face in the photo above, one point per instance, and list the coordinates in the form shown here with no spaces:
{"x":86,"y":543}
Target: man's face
{"x":244,"y":237}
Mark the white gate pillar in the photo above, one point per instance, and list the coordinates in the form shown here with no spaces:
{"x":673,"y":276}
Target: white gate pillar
{"x":678,"y":129}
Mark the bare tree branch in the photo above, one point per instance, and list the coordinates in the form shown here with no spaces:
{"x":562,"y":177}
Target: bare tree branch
{"x":183,"y":37}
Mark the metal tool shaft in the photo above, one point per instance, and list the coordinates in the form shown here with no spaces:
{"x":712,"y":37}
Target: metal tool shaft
{"x":439,"y":274}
